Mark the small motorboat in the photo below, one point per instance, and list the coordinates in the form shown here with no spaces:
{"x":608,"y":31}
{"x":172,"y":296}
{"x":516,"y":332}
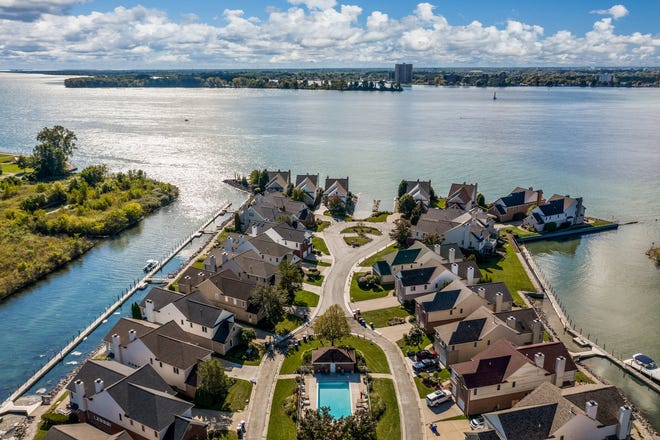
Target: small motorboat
{"x":644,"y":365}
{"x":150,"y":265}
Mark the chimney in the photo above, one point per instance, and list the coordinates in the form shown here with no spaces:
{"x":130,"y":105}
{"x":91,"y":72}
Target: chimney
{"x":452,"y":255}
{"x":591,"y":408}
{"x":116,"y":347}
{"x":560,"y":367}
{"x":499,"y":299}
{"x":539,"y":197}
{"x":511,"y":322}
{"x":213,"y":266}
{"x":539,"y":359}
{"x":623,"y":428}
{"x":254,"y":230}
{"x":185,"y":285}
{"x":149,"y":310}
{"x":230,"y":243}
{"x":98,"y":385}
{"x":225,"y":258}
{"x":454,"y":268}
{"x":131,"y":335}
{"x":481,"y":291}
{"x":537,"y":331}
{"x":470,"y":275}
{"x":79,"y":395}
{"x":436,"y":248}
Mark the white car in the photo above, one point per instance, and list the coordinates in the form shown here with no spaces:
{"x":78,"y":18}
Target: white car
{"x":437,"y":397}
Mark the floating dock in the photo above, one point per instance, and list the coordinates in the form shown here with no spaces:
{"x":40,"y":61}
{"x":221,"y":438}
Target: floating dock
{"x":8,"y":405}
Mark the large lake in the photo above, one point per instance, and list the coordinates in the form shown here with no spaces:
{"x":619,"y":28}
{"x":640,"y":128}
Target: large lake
{"x":602,"y":144}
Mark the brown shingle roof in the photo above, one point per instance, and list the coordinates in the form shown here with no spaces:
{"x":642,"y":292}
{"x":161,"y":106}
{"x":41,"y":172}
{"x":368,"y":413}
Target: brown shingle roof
{"x":551,"y":351}
{"x":325,"y":355}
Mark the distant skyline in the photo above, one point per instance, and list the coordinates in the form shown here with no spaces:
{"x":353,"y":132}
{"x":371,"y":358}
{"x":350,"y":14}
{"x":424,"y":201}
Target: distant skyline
{"x":152,"y":34}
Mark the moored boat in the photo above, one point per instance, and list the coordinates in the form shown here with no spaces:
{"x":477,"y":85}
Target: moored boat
{"x":150,"y":265}
{"x":644,"y":365}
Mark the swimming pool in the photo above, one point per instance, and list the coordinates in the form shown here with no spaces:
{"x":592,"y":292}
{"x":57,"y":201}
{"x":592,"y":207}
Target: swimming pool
{"x":336,"y":396}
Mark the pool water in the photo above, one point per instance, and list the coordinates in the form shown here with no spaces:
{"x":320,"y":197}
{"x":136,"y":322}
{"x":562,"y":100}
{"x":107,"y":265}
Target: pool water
{"x":336,"y":396}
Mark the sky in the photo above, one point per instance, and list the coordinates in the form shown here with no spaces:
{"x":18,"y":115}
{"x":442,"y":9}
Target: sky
{"x":223,"y":34}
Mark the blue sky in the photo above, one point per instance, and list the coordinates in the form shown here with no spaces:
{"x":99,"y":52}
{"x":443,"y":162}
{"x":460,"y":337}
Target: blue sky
{"x":53,"y":34}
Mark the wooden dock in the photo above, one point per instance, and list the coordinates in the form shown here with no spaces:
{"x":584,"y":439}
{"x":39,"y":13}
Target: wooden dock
{"x":8,"y":405}
{"x":596,"y":350}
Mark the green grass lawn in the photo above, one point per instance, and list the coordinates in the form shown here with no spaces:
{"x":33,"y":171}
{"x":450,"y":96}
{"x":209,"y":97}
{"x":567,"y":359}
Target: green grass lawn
{"x":373,"y":355}
{"x":378,"y":217}
{"x":280,"y":425}
{"x":239,"y":355}
{"x":520,"y":232}
{"x":368,"y":262}
{"x":405,"y":347}
{"x":319,"y":245}
{"x":361,"y":230}
{"x":581,"y":377}
{"x":306,"y":298}
{"x":4,"y":157}
{"x":345,"y":217}
{"x":422,"y":390}
{"x":322,"y":225}
{"x":441,"y":203}
{"x":238,"y":396}
{"x":599,"y":222}
{"x":357,"y":240}
{"x":381,"y":316}
{"x":199,"y":264}
{"x":316,"y":281}
{"x":510,"y":271}
{"x":287,"y":324}
{"x":12,"y":168}
{"x":359,"y":294}
{"x":223,"y":435}
{"x":389,"y":425}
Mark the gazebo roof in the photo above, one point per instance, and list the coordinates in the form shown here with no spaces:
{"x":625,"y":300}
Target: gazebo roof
{"x":333,"y":355}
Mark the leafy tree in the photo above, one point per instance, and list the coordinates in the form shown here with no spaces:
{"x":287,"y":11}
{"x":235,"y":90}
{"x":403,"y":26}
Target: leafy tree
{"x":433,"y":198}
{"x":212,"y":383}
{"x":336,"y":207}
{"x":247,"y":335}
{"x":403,"y":185}
{"x":136,"y":313}
{"x":237,"y":222}
{"x":55,"y":147}
{"x":400,"y":232}
{"x":94,"y":174}
{"x":405,"y":205}
{"x":33,"y":202}
{"x":320,"y":425}
{"x":22,"y":162}
{"x":298,"y":194}
{"x":415,"y":336}
{"x":432,"y":239}
{"x":332,"y":324}
{"x":133,"y":212}
{"x":481,"y":200}
{"x":290,"y":279}
{"x":271,"y":300}
{"x":417,"y":212}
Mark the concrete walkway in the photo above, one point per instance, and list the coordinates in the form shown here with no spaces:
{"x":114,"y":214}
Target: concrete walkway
{"x":376,"y":304}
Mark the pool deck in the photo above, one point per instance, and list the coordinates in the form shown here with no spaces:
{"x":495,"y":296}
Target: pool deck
{"x":355,"y":385}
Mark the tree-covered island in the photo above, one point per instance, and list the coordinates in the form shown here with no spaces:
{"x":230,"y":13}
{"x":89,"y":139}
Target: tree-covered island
{"x":49,"y":216}
{"x":368,"y":79}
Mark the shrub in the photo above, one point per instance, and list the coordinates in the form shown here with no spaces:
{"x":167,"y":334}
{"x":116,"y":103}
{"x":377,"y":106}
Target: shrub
{"x":550,"y":227}
{"x":378,"y":405}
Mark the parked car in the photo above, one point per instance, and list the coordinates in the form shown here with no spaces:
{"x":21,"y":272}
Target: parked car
{"x":437,"y":397}
{"x":425,"y":365}
{"x":477,"y":422}
{"x":425,"y":354}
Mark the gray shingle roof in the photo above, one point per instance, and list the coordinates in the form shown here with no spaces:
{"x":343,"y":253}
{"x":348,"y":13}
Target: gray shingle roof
{"x":160,"y":297}
{"x":180,"y":427}
{"x":490,"y":290}
{"x":443,"y":300}
{"x":267,"y":246}
{"x":290,"y":233}
{"x":532,"y":423}
{"x":82,"y":431}
{"x":463,"y":267}
{"x":124,"y":325}
{"x":416,"y":277}
{"x":169,"y":344}
{"x":382,"y":268}
{"x":467,"y":331}
{"x":199,"y":310}
{"x":230,"y":285}
{"x":487,"y":434}
{"x":109,"y":372}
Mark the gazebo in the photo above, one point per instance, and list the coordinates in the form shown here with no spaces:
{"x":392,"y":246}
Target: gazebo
{"x":333,"y":360}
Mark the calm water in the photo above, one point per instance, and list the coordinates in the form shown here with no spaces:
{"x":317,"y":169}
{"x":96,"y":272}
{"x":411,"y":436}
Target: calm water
{"x":336,"y":396}
{"x":602,"y":144}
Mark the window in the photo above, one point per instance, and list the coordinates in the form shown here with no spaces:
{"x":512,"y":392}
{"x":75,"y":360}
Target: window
{"x":191,"y":325}
{"x":131,"y":422}
{"x":474,"y":391}
{"x":120,"y":417}
{"x":488,"y":342}
{"x":182,"y":322}
{"x":498,"y":386}
{"x":176,"y":370}
{"x":461,"y":311}
{"x":160,"y":364}
{"x":204,"y":329}
{"x":155,"y":433}
{"x":451,"y":311}
{"x":151,"y":361}
{"x":142,"y":427}
{"x":475,"y":344}
{"x":513,"y":384}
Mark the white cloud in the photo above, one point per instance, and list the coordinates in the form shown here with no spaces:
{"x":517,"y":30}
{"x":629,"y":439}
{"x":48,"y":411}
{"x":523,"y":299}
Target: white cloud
{"x":314,"y":35}
{"x":315,"y":4}
{"x":29,"y":10}
{"x":616,"y":11}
